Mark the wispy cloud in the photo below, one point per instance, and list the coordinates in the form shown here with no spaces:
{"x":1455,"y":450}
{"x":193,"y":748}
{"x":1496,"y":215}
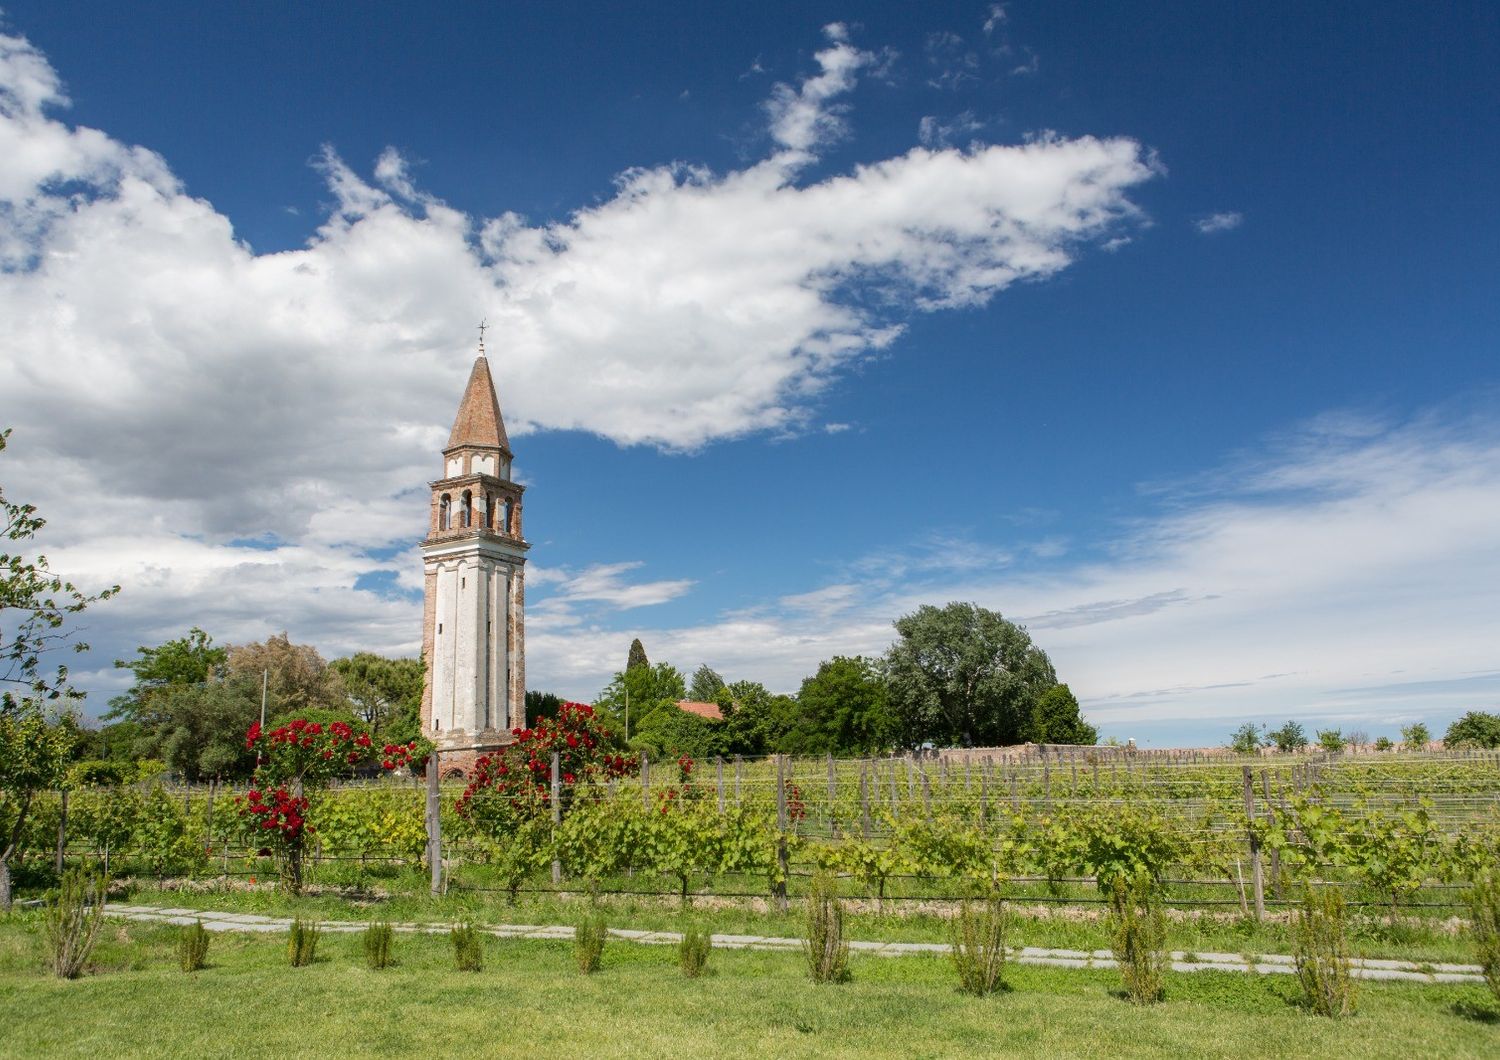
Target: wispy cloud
{"x":1226,"y":221}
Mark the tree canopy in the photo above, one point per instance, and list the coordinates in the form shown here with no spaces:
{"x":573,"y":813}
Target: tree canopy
{"x":962,"y":675}
{"x":384,"y":693}
{"x":1474,"y":729}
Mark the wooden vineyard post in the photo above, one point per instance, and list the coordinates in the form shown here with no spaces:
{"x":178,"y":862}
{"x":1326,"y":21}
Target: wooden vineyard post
{"x":1265,"y":788}
{"x":62,"y":828}
{"x":1073,"y":762}
{"x":895,"y":799}
{"x":781,"y":859}
{"x":719,"y":772}
{"x":556,"y":814}
{"x":1096,"y":774}
{"x":926,"y":795}
{"x":1046,"y":783}
{"x":864,"y":799}
{"x":1015,"y":802}
{"x":911,"y":778}
{"x":984,"y":797}
{"x":646,"y":782}
{"x":434,"y":825}
{"x":1257,"y":878}
{"x":739,"y":769}
{"x":832,"y":784}
{"x":966,"y":771}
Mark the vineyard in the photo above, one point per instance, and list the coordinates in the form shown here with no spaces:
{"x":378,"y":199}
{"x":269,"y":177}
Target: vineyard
{"x":1401,"y":833}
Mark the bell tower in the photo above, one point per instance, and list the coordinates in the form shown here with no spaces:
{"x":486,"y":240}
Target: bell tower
{"x":474,"y":561}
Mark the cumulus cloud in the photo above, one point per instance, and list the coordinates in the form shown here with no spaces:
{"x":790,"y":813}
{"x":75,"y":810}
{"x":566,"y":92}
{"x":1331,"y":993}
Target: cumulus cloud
{"x":935,"y":132}
{"x":1218,"y":222}
{"x":187,"y":392}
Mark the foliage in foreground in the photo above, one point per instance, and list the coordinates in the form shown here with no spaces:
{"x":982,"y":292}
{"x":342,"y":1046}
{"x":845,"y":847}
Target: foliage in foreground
{"x":1322,"y":953}
{"x":588,"y":942}
{"x":302,"y":944}
{"x":693,"y":951}
{"x":468,"y":948}
{"x":1139,"y":937}
{"x":1484,"y":913}
{"x":826,"y":947}
{"x":978,"y":934}
{"x":73,"y":920}
{"x":192,"y":946}
{"x":377,"y":943}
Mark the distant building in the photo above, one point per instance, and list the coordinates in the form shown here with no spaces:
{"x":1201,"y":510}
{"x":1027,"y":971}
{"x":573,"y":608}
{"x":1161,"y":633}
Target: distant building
{"x":709,"y":711}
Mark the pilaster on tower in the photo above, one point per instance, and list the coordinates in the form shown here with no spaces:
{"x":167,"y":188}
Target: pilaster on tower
{"x":474,"y":560}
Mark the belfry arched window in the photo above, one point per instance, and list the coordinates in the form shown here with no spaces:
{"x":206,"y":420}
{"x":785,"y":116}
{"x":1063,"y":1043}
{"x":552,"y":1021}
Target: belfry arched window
{"x":489,"y":511}
{"x":445,"y":513}
{"x":466,"y":513}
{"x":509,"y":515}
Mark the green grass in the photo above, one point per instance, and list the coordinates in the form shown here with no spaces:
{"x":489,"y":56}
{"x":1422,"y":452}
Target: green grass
{"x":529,"y":998}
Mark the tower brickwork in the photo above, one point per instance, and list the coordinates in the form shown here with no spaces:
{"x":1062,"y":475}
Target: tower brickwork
{"x":474,"y":560}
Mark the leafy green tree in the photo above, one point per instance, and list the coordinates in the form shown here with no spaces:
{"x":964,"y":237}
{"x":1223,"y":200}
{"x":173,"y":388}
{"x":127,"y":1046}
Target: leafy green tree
{"x":964,"y":675}
{"x":756,"y":720}
{"x":670,"y":733}
{"x":199,"y":730}
{"x":706,"y":686}
{"x":384,"y":693}
{"x":1055,"y":719}
{"x":1474,"y":729}
{"x":645,"y":689}
{"x":1290,"y":737}
{"x":189,"y":660}
{"x":1415,"y":737}
{"x":843,"y":708}
{"x":34,"y":756}
{"x":637,"y":655}
{"x":1331,"y":740}
{"x":35,"y":607}
{"x":1245,"y":740}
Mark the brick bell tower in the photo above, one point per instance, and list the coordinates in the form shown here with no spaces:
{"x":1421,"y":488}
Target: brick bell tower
{"x":474,"y":561}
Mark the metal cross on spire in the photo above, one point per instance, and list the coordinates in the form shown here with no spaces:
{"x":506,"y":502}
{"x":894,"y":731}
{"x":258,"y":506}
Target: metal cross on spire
{"x":482,"y":325}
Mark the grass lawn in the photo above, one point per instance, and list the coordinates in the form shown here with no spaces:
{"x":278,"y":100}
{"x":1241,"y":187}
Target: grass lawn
{"x":530,"y":1000}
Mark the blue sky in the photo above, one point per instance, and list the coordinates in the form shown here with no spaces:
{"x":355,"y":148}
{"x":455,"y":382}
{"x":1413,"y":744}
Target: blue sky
{"x":1170,"y":332}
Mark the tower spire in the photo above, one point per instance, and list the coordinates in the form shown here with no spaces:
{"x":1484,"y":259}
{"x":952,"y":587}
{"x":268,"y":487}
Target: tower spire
{"x":478,"y":422}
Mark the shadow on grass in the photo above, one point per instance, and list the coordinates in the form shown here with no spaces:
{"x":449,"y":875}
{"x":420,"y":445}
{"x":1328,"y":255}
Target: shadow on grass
{"x":1477,"y":1011}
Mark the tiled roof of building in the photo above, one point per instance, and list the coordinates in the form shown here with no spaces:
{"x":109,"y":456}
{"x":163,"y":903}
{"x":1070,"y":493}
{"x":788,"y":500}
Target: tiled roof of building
{"x":479,"y":421}
{"x":710,"y":711}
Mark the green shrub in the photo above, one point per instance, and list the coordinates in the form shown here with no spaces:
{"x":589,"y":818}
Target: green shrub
{"x":302,"y":946}
{"x":378,"y":939}
{"x":1331,"y":740}
{"x":588,"y":942}
{"x":1383,"y":743}
{"x":826,"y":948}
{"x":73,"y":919}
{"x":693,"y":951}
{"x":1415,"y":737}
{"x":1484,"y":910}
{"x":192,"y":946}
{"x":1245,"y":740}
{"x":1290,"y":737}
{"x":1139,"y":937}
{"x":1322,"y":953}
{"x":468,"y":948}
{"x":979,"y":945}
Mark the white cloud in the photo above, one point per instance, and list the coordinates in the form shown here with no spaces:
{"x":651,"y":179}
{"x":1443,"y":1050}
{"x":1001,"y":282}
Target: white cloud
{"x":1348,"y":573}
{"x":934,"y":132}
{"x":185,"y":391}
{"x":1218,"y":222}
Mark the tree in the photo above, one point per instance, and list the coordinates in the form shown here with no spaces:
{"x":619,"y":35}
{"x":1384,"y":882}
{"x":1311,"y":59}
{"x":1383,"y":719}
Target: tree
{"x":1474,"y":729}
{"x":670,"y":733}
{"x":35,"y":607}
{"x":1331,"y":740}
{"x":1290,"y":737}
{"x":646,"y":689}
{"x":706,"y":685}
{"x":844,"y":709}
{"x":541,"y":705}
{"x":298,"y":678}
{"x":186,"y":661}
{"x":964,"y":675}
{"x":199,"y":730}
{"x":34,"y":758}
{"x":1415,"y":737}
{"x":756,"y":720}
{"x":1245,"y":740}
{"x":637,"y":656}
{"x":384,"y":693}
{"x":1056,"y":719}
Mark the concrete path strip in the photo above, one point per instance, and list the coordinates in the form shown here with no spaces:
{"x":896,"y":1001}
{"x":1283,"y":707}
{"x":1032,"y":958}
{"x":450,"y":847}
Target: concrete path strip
{"x":1261,"y":964}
